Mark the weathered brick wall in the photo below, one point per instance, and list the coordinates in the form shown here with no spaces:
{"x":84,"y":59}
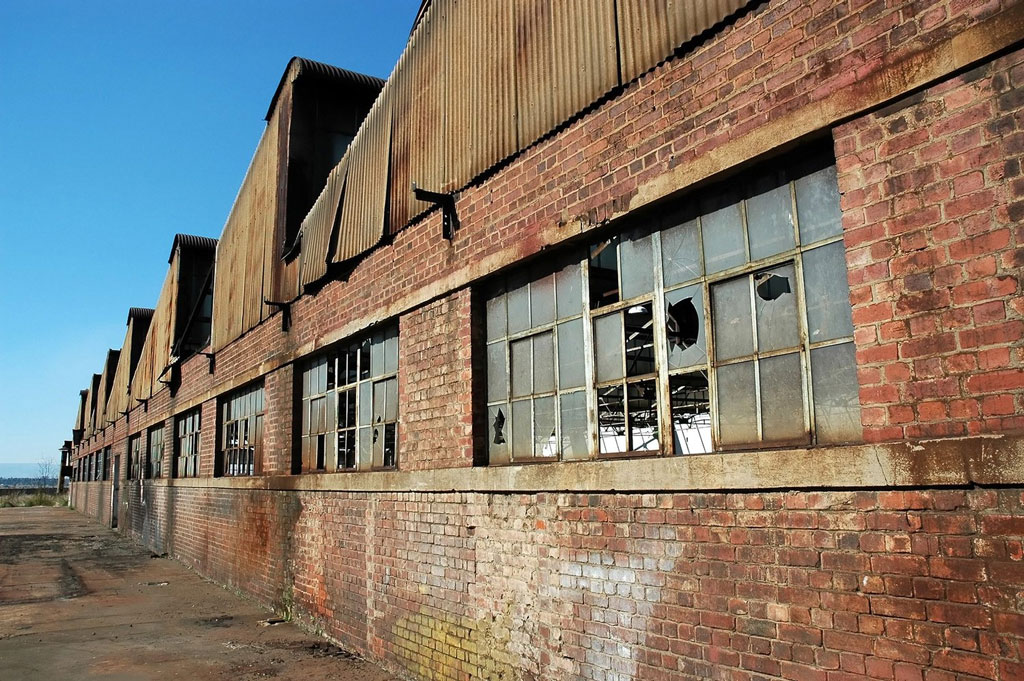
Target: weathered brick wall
{"x":909,"y":584}
{"x":435,"y":386}
{"x":933,"y":212}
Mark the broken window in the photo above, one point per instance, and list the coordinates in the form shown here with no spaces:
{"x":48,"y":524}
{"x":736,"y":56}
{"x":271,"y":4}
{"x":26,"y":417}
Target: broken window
{"x":154,"y":467}
{"x":350,"y":406}
{"x":135,"y":458}
{"x":724,"y":323}
{"x":186,"y":460}
{"x":241,"y":442}
{"x":536,"y":368}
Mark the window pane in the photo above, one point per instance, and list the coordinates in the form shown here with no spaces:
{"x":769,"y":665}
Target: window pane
{"x":817,"y":206}
{"x":569,"y":291}
{"x":836,"y":399}
{"x":604,"y":273}
{"x":497,"y":434}
{"x":737,"y":404}
{"x":643,"y":416}
{"x":522,"y":438}
{"x":680,"y":253}
{"x":365,"y":447}
{"x":684,"y":327}
{"x":782,"y":399}
{"x":365,"y":403}
{"x":828,"y":293}
{"x":522,"y":368}
{"x":730,"y":309}
{"x":518,"y":298}
{"x":542,"y":301}
{"x":608,"y":347}
{"x":770,"y":217}
{"x":722,"y":231}
{"x":691,"y":414}
{"x":611,"y":420}
{"x":775,"y":306}
{"x":390,"y":444}
{"x":497,"y":378}
{"x":496,"y":316}
{"x":639,"y":323}
{"x":379,"y":400}
{"x":544,"y":441}
{"x":570,"y":354}
{"x":543,"y":363}
{"x":391,"y":395}
{"x":377,"y":354}
{"x":364,"y":358}
{"x":637,"y":257}
{"x":391,"y":350}
{"x":574,"y":425}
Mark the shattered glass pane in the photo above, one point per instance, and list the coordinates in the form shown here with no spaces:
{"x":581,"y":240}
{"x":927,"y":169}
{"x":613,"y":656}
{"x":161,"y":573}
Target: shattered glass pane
{"x":775,"y":306}
{"x":608,"y":347}
{"x":684,"y":327}
{"x":522,"y":438}
{"x":730,"y":310}
{"x":611,"y":420}
{"x":828,"y":293}
{"x":637,"y":256}
{"x":497,"y":440}
{"x":544,"y":441}
{"x":836,"y":394}
{"x":770,"y":217}
{"x":604,"y":273}
{"x":722,"y":231}
{"x":737,"y":404}
{"x":543,"y":363}
{"x":518,"y":298}
{"x":691,"y":414}
{"x":497,"y":379}
{"x":542,"y":301}
{"x":680,"y":253}
{"x":522,"y":368}
{"x":643,"y":416}
{"x":575,"y":440}
{"x":782,"y":399}
{"x":570,"y":354}
{"x":817,"y":206}
{"x":639,"y":324}
{"x":569,"y":291}
{"x":497,"y":323}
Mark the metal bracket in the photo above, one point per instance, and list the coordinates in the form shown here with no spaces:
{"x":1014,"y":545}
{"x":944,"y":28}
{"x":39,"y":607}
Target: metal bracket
{"x":144,"y":403}
{"x":209,"y":356}
{"x":286,"y":312}
{"x":449,"y":218}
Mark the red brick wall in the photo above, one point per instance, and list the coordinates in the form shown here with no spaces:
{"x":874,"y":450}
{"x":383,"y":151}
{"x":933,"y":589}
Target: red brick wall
{"x":435,"y":385}
{"x":933,"y":209}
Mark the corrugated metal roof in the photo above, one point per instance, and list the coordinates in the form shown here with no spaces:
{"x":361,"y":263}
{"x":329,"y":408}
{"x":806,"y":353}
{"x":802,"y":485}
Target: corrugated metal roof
{"x":191,"y":241}
{"x":139,"y":313}
{"x":300,"y":67}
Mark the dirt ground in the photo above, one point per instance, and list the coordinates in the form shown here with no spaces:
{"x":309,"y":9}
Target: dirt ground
{"x":78,"y":601}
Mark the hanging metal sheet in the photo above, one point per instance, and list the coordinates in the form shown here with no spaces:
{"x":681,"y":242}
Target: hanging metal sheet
{"x":317,"y":226}
{"x":365,"y":200}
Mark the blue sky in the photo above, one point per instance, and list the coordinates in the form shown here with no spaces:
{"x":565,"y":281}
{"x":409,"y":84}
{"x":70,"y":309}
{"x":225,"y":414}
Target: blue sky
{"x":122,"y":123}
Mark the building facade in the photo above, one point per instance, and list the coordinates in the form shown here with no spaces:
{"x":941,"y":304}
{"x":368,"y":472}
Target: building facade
{"x":609,"y":340}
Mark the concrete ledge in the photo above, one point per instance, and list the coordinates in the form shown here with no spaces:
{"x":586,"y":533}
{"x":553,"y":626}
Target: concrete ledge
{"x":986,"y":460}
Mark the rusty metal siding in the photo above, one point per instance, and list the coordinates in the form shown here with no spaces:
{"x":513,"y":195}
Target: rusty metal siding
{"x":244,"y":250}
{"x":650,"y":30}
{"x":317,"y":227}
{"x":156,"y":350}
{"x":117,"y":402}
{"x":362,"y":211}
{"x":103,"y":412}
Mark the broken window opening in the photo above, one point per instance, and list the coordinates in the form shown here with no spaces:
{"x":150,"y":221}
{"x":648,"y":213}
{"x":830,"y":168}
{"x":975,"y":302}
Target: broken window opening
{"x":350,"y":406}
{"x":186,"y":460}
{"x":691,"y":413}
{"x":242,"y":427}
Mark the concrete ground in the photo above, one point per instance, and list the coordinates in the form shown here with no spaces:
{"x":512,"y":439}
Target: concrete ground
{"x":78,"y":601}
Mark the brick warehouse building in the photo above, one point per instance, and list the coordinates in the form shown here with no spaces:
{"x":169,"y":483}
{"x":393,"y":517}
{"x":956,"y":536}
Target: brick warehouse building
{"x":698,"y":357}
